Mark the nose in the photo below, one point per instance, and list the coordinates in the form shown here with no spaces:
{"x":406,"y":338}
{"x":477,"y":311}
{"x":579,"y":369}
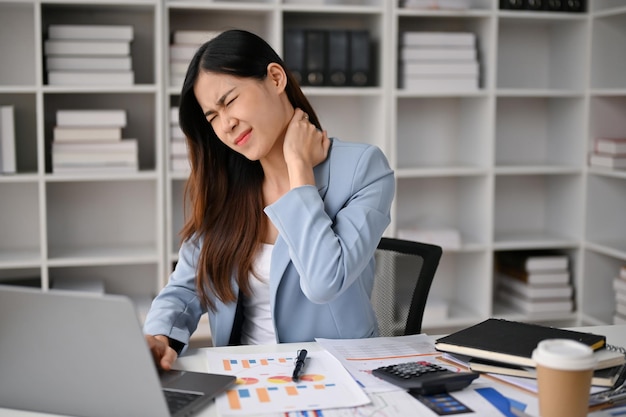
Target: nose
{"x":228,"y":123}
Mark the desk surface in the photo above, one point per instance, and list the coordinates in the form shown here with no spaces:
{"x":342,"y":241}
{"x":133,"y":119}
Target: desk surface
{"x":195,"y":360}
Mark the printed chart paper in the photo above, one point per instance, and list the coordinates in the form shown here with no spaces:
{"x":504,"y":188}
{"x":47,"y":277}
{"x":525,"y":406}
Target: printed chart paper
{"x":360,"y":356}
{"x":264,"y":383}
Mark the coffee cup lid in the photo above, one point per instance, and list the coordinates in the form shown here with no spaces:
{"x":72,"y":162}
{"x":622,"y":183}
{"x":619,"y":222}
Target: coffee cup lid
{"x":564,"y":354}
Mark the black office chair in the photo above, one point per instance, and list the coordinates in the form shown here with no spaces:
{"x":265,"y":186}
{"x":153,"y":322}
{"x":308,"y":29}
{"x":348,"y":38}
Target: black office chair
{"x":404,"y":274}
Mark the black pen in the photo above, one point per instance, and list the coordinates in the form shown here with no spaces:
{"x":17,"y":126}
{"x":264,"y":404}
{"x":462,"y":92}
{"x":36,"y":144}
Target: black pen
{"x":299,"y":365}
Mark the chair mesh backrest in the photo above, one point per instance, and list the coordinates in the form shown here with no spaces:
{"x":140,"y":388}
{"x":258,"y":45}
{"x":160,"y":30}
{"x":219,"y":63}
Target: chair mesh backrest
{"x":396,"y":293}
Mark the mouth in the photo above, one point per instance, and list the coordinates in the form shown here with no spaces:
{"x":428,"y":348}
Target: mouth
{"x":243,"y":138}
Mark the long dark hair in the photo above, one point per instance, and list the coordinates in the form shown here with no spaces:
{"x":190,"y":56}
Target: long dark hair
{"x":223,"y":182}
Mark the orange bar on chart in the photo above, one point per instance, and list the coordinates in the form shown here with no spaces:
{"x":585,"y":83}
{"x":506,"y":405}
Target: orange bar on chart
{"x":263,"y":395}
{"x":233,"y":400}
{"x":291,"y":390}
{"x":226,"y":364}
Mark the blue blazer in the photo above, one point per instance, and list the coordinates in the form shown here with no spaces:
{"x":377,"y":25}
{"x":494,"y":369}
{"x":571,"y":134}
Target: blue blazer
{"x":322,"y":266}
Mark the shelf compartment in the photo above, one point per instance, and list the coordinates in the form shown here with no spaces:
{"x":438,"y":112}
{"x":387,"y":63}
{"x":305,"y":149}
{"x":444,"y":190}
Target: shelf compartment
{"x":506,"y":312}
{"x":606,"y":199}
{"x":542,"y":53}
{"x":203,"y":17}
{"x":608,"y":61}
{"x":459,"y":203}
{"x":537,"y":211}
{"x":607,"y":117}
{"x":85,"y":228}
{"x":473,"y":6}
{"x":17,"y":22}
{"x":360,"y":119}
{"x":141,"y":111}
{"x":451,"y":132}
{"x":460,"y":281}
{"x":20,"y":225}
{"x":606,"y":5}
{"x":141,"y":16}
{"x":373,"y":23}
{"x":480,"y":25}
{"x":26,"y":277}
{"x":597,"y":295}
{"x":25,"y":115}
{"x":539,"y":131}
{"x":135,"y":281}
{"x":504,"y":309}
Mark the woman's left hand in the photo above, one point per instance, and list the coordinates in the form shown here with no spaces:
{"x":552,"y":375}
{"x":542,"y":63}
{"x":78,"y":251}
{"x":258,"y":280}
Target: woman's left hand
{"x":305,"y":146}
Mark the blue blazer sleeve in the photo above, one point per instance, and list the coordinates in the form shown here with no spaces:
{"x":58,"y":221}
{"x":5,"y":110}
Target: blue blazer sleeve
{"x":332,"y":232}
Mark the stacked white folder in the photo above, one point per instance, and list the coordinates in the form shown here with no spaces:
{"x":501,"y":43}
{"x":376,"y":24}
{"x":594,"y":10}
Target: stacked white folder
{"x":89,"y":55}
{"x":438,"y":62}
{"x":88,"y":141}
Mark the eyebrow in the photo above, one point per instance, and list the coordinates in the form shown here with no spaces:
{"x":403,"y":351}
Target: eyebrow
{"x":220,"y":102}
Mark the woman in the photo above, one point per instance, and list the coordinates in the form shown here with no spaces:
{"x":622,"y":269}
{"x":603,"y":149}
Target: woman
{"x":279,"y":242}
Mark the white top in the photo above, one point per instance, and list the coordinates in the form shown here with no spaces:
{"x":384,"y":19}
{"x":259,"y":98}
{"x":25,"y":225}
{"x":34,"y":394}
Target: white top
{"x":258,"y":327}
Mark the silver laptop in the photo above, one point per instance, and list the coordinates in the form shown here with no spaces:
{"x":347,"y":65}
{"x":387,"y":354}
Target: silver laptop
{"x":79,"y":354}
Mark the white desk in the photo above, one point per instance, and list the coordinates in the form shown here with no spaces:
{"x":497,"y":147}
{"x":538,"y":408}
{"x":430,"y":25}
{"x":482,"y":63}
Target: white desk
{"x":195,"y":360}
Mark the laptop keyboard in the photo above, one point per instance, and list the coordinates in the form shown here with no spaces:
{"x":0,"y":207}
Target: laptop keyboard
{"x":177,"y":400}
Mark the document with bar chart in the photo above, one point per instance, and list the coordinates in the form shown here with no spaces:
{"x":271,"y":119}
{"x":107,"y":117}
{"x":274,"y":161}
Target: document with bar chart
{"x":264,"y":383}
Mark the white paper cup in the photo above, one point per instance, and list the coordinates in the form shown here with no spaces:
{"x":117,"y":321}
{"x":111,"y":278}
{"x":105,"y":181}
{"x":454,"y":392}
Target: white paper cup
{"x":564,"y":372}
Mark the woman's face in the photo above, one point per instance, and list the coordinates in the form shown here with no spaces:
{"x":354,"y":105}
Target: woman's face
{"x":246,"y":114}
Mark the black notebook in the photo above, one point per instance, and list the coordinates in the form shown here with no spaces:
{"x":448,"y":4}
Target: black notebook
{"x":601,"y":377}
{"x":509,"y":341}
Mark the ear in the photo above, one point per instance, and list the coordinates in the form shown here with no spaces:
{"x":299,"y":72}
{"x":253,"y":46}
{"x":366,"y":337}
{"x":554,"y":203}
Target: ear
{"x":277,"y":76}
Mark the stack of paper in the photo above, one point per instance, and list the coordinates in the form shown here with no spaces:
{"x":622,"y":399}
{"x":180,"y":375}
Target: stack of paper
{"x":179,"y":158}
{"x":91,"y":141}
{"x":619,"y":286}
{"x":534,"y":281}
{"x":438,"y":62}
{"x":89,"y":55}
{"x":183,"y":47}
{"x":608,"y":153}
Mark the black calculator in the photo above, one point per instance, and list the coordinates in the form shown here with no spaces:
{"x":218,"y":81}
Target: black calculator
{"x":424,"y":377}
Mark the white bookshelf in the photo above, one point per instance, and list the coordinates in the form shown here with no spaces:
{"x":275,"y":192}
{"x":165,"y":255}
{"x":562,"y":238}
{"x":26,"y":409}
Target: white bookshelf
{"x":505,"y":165}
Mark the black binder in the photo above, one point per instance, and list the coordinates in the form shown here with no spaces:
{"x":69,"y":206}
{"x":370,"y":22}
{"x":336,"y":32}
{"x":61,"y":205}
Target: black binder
{"x":295,"y":47}
{"x":338,"y":58}
{"x":534,"y":4}
{"x":574,"y":5}
{"x":360,"y":61}
{"x":315,"y":57}
{"x":511,"y":4}
{"x":553,"y":5}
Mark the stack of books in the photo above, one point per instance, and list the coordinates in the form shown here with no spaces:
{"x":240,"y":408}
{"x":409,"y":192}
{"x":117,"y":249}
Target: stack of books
{"x":619,"y":286}
{"x":8,"y":163}
{"x":91,"y":141}
{"x":504,"y":347}
{"x":89,"y":55}
{"x":608,"y":153}
{"x":179,"y":158}
{"x":534,"y":281}
{"x":183,"y":46}
{"x":438,"y":62}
